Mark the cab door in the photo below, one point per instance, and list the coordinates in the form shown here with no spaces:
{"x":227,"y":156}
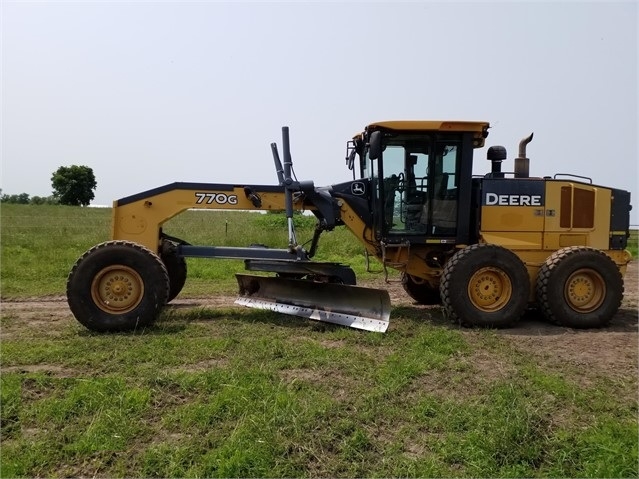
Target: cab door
{"x":422,"y":187}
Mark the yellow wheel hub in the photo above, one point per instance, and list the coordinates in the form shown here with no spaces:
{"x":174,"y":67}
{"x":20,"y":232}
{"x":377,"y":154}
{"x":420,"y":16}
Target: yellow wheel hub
{"x":585,"y":290}
{"x":490,"y":289}
{"x":117,"y":289}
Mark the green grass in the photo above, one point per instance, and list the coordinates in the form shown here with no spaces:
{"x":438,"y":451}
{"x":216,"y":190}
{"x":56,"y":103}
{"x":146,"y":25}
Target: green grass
{"x":249,"y":394}
{"x":632,"y":243}
{"x":233,"y":392}
{"x":41,"y":243}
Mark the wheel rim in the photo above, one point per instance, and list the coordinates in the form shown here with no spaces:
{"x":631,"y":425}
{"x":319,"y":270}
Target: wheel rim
{"x":585,"y":290}
{"x":490,"y":289}
{"x":117,"y":289}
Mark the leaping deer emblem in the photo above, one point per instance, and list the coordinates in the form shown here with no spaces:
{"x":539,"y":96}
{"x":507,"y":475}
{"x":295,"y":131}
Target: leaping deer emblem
{"x":358,"y":188}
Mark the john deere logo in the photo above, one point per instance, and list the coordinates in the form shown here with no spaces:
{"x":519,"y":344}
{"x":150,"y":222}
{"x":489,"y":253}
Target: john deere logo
{"x":358,"y":188}
{"x":507,"y":192}
{"x":512,"y":200}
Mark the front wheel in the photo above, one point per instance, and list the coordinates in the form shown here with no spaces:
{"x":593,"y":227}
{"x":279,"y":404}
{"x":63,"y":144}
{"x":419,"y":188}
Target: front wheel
{"x":485,"y":285}
{"x":117,"y":286}
{"x":579,"y":287}
{"x":175,"y":266}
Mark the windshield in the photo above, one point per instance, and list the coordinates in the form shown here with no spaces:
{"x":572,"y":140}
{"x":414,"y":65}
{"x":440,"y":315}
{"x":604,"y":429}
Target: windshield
{"x":415,"y":183}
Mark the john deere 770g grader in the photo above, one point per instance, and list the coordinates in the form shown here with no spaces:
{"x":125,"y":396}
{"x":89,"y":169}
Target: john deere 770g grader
{"x":485,"y":247}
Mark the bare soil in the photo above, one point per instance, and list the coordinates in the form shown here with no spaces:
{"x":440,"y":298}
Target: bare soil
{"x":611,"y":351}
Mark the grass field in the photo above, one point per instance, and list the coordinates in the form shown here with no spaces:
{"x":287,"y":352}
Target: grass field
{"x":232,"y":392}
{"x":40,"y":244}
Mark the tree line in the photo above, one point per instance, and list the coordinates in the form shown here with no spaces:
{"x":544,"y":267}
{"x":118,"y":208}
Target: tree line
{"x":72,"y":185}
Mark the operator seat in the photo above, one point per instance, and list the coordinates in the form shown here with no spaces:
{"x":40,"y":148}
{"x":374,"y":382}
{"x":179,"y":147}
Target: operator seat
{"x":444,"y":207}
{"x":414,"y":197}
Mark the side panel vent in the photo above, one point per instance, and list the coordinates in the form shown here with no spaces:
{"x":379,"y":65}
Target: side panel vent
{"x":577,"y":208}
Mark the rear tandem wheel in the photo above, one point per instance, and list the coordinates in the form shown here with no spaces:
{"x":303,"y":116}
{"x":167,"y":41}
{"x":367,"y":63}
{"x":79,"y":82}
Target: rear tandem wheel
{"x":579,"y":287}
{"x":117,"y":286}
{"x":485,"y":285}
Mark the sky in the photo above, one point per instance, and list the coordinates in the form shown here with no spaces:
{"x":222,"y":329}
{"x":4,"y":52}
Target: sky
{"x":147,"y":93}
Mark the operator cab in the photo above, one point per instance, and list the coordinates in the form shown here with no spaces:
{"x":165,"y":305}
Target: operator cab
{"x":420,"y":174}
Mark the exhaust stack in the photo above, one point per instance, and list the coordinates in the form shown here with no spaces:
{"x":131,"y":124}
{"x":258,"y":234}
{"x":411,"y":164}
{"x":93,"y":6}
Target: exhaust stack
{"x":522,"y":164}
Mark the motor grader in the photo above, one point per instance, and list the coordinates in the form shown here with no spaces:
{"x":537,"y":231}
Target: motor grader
{"x":486,"y":247}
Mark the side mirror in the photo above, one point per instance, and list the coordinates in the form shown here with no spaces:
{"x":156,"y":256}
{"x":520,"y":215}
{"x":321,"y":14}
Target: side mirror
{"x":375,"y":145}
{"x":350,"y":159}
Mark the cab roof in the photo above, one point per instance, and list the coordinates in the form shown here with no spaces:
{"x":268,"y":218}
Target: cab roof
{"x":479,"y":128}
{"x":431,"y":125}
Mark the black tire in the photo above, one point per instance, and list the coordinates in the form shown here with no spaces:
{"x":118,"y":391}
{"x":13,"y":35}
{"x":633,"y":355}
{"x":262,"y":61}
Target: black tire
{"x":117,"y":286}
{"x":485,"y":285}
{"x":420,"y":290}
{"x":175,"y":267}
{"x":579,"y":287}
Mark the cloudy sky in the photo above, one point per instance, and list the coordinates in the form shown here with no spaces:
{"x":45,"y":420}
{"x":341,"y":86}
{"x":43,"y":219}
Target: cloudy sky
{"x":148,"y":93}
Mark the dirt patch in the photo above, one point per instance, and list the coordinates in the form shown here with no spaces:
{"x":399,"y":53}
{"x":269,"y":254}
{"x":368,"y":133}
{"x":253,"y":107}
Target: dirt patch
{"x":611,"y":351}
{"x":202,"y":366}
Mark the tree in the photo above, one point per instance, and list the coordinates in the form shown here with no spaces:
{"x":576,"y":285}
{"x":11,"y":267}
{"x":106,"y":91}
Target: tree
{"x":21,"y":199}
{"x":43,"y":200}
{"x":73,"y":185}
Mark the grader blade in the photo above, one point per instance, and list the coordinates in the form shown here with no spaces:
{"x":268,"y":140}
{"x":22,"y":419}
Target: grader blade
{"x":352,"y":306}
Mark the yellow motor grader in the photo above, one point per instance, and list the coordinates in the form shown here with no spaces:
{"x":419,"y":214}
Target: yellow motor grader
{"x":486,"y":247}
